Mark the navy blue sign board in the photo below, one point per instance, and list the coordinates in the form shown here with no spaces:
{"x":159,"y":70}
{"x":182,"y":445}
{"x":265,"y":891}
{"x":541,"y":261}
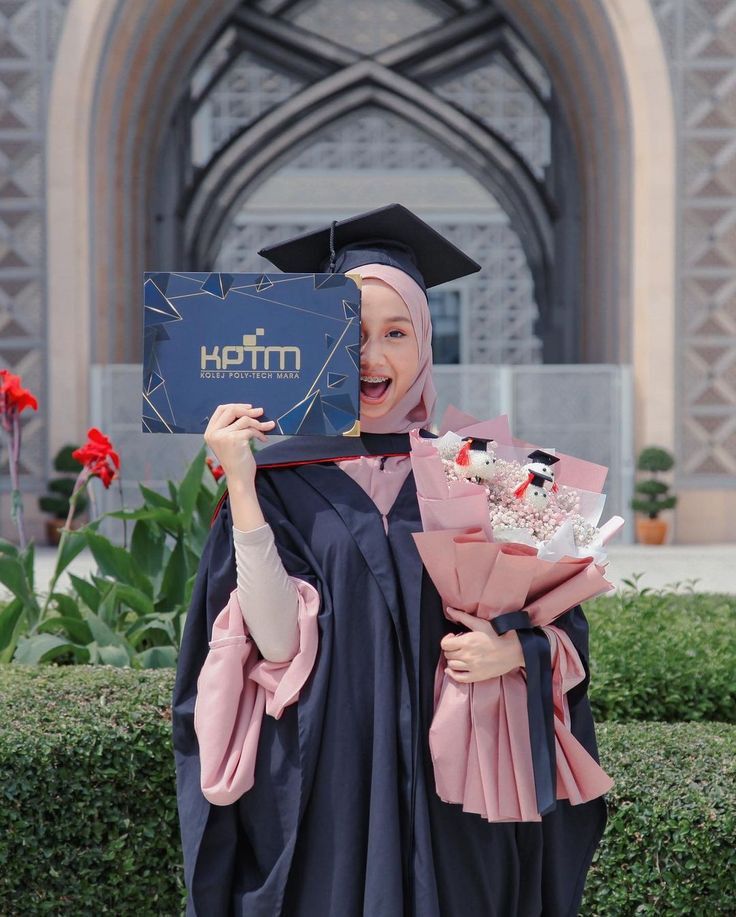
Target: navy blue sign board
{"x":289,"y":343}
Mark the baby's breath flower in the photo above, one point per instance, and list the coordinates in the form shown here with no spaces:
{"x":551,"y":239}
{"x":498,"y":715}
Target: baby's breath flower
{"x":507,"y":511}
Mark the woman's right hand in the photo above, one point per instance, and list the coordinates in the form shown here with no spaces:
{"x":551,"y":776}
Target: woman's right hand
{"x":228,"y":434}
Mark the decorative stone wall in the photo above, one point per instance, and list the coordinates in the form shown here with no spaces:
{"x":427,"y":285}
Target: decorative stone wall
{"x":700,"y":42}
{"x":29,"y":32}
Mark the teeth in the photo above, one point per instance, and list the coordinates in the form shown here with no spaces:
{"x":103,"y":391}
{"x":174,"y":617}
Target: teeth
{"x":374,"y":379}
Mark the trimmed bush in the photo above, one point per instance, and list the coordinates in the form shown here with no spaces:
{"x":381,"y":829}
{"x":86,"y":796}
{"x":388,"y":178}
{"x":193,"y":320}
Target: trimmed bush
{"x":88,"y":820}
{"x":663,"y":656}
{"x":669,"y":843}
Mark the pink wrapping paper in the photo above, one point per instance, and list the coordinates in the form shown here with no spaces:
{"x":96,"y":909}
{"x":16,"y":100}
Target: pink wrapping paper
{"x":479,"y":736}
{"x":235,"y":689}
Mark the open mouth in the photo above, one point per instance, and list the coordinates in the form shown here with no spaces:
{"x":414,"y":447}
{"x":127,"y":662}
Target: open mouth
{"x":373,"y":389}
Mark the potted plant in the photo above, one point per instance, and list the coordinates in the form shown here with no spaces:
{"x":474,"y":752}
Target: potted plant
{"x":56,"y":502}
{"x":654,"y":495}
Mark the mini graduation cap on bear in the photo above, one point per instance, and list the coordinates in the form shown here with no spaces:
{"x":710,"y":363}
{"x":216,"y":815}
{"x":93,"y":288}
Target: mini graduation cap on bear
{"x":390,"y":235}
{"x":539,"y":472}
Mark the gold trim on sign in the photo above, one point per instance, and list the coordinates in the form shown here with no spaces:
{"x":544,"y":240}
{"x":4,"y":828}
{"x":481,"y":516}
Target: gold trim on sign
{"x":354,"y":430}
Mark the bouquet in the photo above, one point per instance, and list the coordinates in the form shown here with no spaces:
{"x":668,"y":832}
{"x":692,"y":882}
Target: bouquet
{"x":510,"y":534}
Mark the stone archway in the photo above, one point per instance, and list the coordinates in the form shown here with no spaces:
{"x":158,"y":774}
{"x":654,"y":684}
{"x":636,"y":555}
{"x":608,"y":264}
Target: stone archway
{"x":117,"y":76}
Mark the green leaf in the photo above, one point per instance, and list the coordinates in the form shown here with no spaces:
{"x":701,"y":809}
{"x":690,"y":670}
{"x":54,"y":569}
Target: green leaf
{"x":71,"y":544}
{"x":114,"y":655}
{"x":11,"y":624}
{"x":41,"y":648}
{"x":102,"y":633}
{"x":66,"y":605}
{"x":88,"y":592}
{"x":154,"y":498}
{"x":191,"y":486}
{"x":157,"y":657}
{"x":150,"y":625}
{"x":175,"y":576}
{"x":77,"y":630}
{"x":147,"y":547}
{"x":168,"y":519}
{"x":108,"y":610}
{"x":135,"y":599}
{"x":13,"y":577}
{"x":7,"y":547}
{"x":116,"y":562}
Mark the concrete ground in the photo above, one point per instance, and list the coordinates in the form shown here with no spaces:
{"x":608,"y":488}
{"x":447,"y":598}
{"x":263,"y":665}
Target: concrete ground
{"x":712,"y":567}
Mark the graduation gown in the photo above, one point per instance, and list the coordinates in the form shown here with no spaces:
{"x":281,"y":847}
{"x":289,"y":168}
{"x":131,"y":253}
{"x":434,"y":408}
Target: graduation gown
{"x":343,"y":819}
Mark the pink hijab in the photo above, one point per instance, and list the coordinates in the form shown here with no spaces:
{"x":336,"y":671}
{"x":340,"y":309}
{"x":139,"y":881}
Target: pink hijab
{"x":416,"y":407}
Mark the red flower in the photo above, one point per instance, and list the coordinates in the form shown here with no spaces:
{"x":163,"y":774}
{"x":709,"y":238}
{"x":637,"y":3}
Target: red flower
{"x":217,"y":470}
{"x":12,"y":395}
{"x":95,"y":455}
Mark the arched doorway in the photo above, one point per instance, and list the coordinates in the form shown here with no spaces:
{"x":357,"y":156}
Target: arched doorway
{"x":119,"y":77}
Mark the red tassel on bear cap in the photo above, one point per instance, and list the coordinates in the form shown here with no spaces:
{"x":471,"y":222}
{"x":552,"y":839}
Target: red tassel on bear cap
{"x":463,"y":456}
{"x":521,"y":489}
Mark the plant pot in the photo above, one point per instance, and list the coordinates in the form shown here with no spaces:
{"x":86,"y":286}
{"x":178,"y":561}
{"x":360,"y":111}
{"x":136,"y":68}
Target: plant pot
{"x":54,"y":527}
{"x":650,"y":531}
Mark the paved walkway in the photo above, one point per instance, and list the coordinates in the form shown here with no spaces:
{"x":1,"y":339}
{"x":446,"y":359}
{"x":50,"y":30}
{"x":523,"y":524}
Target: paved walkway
{"x":713,"y":566}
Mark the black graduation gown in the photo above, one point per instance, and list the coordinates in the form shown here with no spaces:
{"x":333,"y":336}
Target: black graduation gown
{"x":343,"y":819}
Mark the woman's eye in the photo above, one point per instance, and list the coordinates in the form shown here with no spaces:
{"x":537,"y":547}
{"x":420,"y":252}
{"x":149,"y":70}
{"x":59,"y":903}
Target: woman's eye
{"x":397,"y":331}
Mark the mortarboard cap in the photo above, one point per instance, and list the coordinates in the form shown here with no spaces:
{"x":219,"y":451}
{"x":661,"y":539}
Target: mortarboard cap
{"x":390,"y":235}
{"x":539,"y":455}
{"x":478,"y":443}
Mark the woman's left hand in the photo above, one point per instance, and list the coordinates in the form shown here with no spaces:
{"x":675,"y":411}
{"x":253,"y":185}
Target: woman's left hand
{"x":482,"y":653}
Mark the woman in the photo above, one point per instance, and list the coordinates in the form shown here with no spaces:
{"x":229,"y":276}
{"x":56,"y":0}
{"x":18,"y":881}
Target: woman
{"x":342,"y":818}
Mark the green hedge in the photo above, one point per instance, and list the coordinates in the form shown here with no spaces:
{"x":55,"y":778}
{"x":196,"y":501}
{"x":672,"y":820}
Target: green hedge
{"x":663,"y":656}
{"x":669,"y":843}
{"x":88,"y":821}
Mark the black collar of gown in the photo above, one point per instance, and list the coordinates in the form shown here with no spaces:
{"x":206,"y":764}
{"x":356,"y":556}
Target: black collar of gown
{"x":307,"y":450}
{"x":310,"y":450}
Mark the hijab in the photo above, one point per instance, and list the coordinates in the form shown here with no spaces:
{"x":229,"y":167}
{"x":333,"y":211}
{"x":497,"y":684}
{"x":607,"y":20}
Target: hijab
{"x":415,"y":408}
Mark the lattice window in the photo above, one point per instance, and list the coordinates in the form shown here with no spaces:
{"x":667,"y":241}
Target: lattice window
{"x":445,"y":306}
{"x":248,"y":89}
{"x":503,"y":312}
{"x":366,"y":25}
{"x":500,"y":299}
{"x":496,"y":95}
{"x":367,"y":140}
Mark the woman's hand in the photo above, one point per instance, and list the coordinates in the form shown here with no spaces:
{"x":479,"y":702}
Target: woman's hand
{"x":228,"y":434}
{"x":482,"y":653}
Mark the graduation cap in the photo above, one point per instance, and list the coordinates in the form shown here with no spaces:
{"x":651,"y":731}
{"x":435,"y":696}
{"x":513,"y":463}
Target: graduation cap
{"x":390,"y":235}
{"x":546,"y":458}
{"x":477,"y":443}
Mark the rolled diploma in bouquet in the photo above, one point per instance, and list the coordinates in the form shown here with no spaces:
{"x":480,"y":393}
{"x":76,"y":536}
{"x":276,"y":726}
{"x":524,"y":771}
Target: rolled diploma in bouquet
{"x":502,"y":747}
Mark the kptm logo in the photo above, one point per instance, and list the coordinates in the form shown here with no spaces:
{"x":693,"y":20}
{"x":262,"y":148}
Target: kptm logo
{"x":261,"y":357}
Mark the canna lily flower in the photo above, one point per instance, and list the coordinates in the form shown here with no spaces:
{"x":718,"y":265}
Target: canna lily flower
{"x":217,"y":470}
{"x":13,"y":397}
{"x":13,"y":400}
{"x":96,"y":454}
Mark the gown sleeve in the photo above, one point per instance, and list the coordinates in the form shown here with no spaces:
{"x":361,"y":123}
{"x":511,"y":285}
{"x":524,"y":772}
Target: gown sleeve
{"x":236,"y":687}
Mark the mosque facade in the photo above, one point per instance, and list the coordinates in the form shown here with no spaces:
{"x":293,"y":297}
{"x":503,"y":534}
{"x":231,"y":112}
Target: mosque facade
{"x":583,"y":153}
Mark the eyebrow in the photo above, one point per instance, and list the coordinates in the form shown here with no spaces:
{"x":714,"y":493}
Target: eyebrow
{"x":398,"y":318}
